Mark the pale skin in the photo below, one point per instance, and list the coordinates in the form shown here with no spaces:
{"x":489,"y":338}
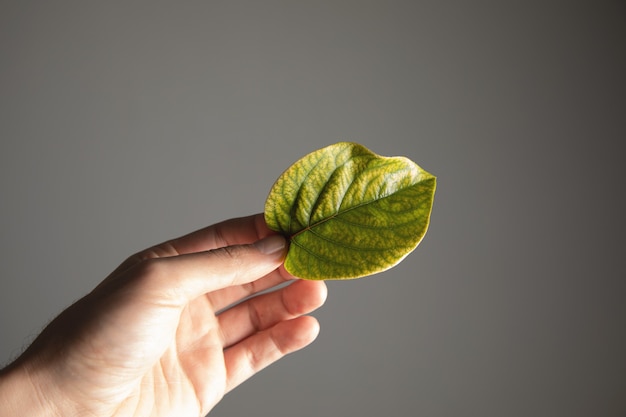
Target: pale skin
{"x":148,"y":340}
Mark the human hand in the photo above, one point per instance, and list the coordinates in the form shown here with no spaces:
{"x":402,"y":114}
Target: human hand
{"x":160,"y":335}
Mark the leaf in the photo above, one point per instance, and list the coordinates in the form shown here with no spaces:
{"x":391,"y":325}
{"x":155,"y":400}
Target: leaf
{"x":348,"y":212}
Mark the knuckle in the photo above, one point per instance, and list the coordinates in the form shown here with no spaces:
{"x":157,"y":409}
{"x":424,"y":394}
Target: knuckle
{"x":157,"y":281}
{"x":149,"y":274}
{"x":151,"y":267}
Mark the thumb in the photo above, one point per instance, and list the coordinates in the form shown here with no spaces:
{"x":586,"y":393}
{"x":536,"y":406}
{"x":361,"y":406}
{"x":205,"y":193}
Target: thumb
{"x":179,"y":279}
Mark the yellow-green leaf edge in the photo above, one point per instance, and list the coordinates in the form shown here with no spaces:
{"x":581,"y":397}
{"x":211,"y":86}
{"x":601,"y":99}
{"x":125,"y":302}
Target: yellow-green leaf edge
{"x":349,"y":212}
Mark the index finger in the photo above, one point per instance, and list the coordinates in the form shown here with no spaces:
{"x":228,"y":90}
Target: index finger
{"x":236,"y":231}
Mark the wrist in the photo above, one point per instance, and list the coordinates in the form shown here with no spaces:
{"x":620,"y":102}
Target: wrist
{"x":27,"y":392}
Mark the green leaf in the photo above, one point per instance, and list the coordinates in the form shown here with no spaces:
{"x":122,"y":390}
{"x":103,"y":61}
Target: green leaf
{"x":348,"y":212}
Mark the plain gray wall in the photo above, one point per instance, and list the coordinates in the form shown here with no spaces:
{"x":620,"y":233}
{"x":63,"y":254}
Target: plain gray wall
{"x":126,"y":123}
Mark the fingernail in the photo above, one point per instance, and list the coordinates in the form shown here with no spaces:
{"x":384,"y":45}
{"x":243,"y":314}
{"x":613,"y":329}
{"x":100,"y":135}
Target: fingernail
{"x":271,"y":244}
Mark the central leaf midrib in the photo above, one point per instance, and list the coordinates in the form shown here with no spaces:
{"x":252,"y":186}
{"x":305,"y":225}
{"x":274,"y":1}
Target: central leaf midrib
{"x":339,"y":213}
{"x":318,"y":256}
{"x":353,"y":247}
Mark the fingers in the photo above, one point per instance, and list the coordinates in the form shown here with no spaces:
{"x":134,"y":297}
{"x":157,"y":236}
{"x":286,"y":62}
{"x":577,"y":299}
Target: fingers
{"x":228,"y":296}
{"x":236,"y":231}
{"x":176,"y":280}
{"x":264,"y":311}
{"x":262,"y":349}
{"x":263,"y":329}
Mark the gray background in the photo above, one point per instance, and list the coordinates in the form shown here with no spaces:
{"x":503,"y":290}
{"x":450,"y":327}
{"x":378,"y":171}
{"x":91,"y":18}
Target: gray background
{"x":126,"y":123}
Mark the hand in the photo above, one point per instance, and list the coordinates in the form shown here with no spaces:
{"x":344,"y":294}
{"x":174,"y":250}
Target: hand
{"x":160,"y":335}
